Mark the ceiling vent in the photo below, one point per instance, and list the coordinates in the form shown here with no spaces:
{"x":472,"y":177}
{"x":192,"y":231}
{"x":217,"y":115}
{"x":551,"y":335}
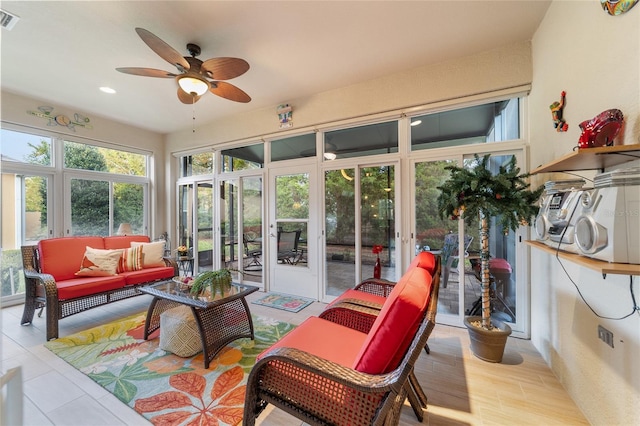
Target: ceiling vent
{"x":8,"y":20}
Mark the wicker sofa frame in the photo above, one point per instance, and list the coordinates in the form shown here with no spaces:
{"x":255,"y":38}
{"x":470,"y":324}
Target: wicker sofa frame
{"x":41,"y":291}
{"x":337,"y":395}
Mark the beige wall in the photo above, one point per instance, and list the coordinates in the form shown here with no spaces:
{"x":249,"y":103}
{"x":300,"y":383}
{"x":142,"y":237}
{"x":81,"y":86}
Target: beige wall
{"x":595,"y":58}
{"x":506,"y":67}
{"x":14,"y":110}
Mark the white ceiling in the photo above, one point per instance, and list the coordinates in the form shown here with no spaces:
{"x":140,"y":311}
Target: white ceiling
{"x":63,"y":51}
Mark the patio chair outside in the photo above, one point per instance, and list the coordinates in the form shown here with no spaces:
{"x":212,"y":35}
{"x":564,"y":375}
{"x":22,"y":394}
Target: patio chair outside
{"x":253,"y":252}
{"x":450,"y":254}
{"x":288,"y":246}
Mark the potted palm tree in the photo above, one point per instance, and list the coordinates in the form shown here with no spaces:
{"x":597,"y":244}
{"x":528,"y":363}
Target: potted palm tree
{"x":476,"y":192}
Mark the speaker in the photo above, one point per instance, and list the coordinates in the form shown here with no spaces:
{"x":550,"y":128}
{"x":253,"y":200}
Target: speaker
{"x":608,"y":228}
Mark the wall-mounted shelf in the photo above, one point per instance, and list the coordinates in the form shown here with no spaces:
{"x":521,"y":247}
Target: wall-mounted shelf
{"x":597,"y":265}
{"x":592,"y":159}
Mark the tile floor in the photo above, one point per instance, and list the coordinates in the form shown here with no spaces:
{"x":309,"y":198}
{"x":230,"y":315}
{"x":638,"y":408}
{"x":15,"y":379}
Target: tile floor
{"x":462,"y":390}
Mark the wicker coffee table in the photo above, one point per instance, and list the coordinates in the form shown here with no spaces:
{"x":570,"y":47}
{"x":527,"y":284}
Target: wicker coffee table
{"x":221,"y":319}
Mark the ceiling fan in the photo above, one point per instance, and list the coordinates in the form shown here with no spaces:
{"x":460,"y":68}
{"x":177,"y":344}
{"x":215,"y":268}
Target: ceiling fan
{"x":195,"y":77}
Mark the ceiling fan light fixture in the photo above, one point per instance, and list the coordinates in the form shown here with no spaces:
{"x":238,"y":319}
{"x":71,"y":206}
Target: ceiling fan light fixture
{"x":191,"y":83}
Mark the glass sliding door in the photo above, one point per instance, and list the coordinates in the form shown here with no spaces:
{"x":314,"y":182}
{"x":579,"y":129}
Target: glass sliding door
{"x":360,"y":213}
{"x":340,"y":230}
{"x":252,"y":239}
{"x":195,"y":226}
{"x":459,"y":247}
{"x":504,"y":267}
{"x":203,"y":245}
{"x":186,"y":227}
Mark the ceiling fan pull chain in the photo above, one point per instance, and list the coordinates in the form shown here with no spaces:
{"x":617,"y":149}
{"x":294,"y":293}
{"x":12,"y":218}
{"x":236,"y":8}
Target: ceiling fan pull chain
{"x":193,"y":106}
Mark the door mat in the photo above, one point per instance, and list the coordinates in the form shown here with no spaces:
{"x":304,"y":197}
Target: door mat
{"x":284,"y":301}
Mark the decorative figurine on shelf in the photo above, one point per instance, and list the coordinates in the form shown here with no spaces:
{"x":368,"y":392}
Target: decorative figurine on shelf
{"x":377,"y":268}
{"x":556,"y":112}
{"x":601,"y":130}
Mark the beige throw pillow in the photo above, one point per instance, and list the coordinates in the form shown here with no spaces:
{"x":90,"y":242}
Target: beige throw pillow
{"x":99,"y":263}
{"x":151,"y":253}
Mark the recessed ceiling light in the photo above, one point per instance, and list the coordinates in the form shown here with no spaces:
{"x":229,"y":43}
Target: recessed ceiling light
{"x":416,"y":122}
{"x":107,"y":90}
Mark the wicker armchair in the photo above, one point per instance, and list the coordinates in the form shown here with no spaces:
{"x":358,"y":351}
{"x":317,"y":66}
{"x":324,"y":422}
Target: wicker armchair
{"x":360,"y":315}
{"x":321,"y":392}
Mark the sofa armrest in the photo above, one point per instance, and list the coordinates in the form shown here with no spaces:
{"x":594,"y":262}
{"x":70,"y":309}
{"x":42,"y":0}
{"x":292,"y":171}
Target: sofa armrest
{"x":170,"y":261}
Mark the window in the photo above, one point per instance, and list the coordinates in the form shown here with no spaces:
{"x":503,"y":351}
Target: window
{"x":103,"y":187}
{"x":245,"y":158}
{"x":373,"y":139}
{"x":491,"y":122}
{"x":301,"y":146}
{"x":88,"y":157}
{"x":26,"y":148}
{"x":196,"y":164}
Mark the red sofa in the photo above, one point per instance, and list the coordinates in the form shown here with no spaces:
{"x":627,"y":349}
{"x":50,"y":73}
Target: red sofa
{"x":326,"y":373}
{"x":51,"y":273}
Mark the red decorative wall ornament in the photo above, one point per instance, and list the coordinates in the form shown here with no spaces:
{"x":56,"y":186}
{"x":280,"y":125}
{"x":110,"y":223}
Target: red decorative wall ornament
{"x":601,"y":130}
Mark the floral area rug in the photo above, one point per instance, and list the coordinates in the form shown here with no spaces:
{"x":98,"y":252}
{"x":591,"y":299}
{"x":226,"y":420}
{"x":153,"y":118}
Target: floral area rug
{"x":283,"y":301}
{"x":163,"y":387}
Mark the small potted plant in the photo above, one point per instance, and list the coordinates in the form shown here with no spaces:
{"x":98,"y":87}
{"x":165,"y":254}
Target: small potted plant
{"x":476,"y":192}
{"x":214,"y":281}
{"x":182,"y":250}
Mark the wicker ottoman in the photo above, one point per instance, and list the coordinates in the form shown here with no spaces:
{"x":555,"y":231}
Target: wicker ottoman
{"x":179,"y":332}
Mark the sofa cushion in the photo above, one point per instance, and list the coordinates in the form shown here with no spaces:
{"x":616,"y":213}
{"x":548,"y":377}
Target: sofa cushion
{"x":325,"y":339}
{"x":99,"y":263}
{"x":84,"y":286}
{"x":131,"y":259}
{"x":61,"y":257}
{"x":147,"y":275}
{"x":396,"y":324}
{"x":123,"y":241}
{"x":425,"y":260}
{"x":152,"y":253}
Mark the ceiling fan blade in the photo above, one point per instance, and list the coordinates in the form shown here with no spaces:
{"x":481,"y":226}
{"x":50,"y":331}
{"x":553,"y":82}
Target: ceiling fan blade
{"x":163,"y":50}
{"x":146,"y":72}
{"x":225,"y":68}
{"x":229,"y":91}
{"x":187,"y":98}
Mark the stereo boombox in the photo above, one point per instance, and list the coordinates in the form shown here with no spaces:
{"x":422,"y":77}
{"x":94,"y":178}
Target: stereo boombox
{"x":602,"y":223}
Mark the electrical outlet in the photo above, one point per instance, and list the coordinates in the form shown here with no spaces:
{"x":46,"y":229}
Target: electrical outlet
{"x":605,"y":335}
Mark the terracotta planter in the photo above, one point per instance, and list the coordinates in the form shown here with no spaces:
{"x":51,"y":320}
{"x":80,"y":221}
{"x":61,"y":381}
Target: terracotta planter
{"x":487,"y":345}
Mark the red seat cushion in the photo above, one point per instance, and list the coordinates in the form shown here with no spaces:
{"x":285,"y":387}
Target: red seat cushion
{"x":147,"y":275}
{"x":499,"y":266}
{"x":62,"y":257}
{"x":84,"y":286}
{"x":396,"y":325}
{"x":325,"y":339}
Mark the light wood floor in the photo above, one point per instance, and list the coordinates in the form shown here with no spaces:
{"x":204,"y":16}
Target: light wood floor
{"x":462,"y":390}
